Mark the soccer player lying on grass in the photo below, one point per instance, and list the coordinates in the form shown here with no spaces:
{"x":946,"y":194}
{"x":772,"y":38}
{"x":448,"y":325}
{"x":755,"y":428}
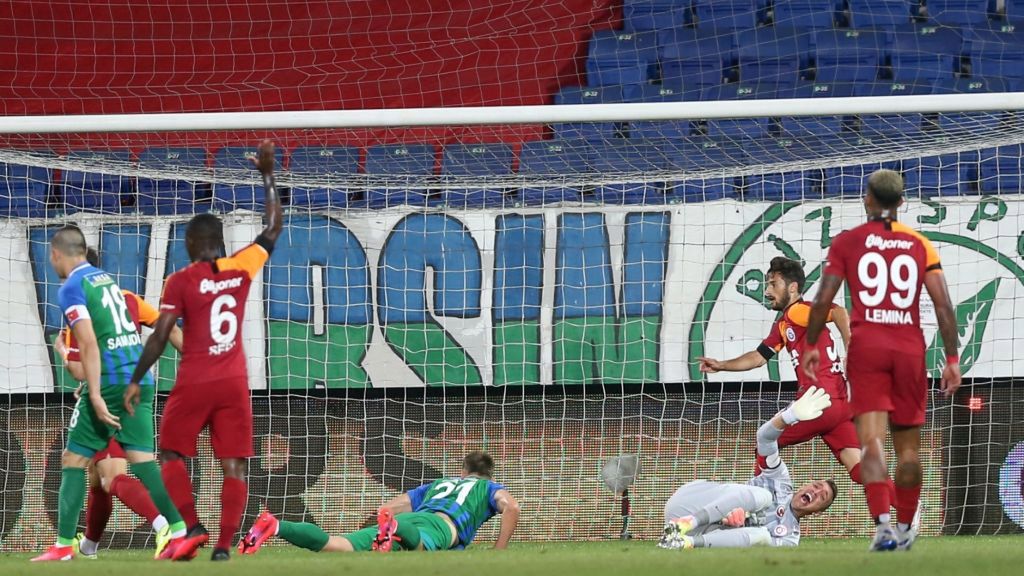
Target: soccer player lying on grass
{"x":441,"y":515}
{"x":764,"y":511}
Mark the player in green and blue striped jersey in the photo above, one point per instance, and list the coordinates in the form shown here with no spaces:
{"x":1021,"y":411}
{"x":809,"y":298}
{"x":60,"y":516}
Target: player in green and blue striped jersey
{"x":441,"y":515}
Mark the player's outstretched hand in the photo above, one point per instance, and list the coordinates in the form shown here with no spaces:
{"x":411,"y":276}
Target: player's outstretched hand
{"x":99,"y":406}
{"x":735,"y":519}
{"x":264,"y":159}
{"x":132,"y":395}
{"x":950,"y":379}
{"x":709,"y":365}
{"x":811,"y":404}
{"x":810,"y":362}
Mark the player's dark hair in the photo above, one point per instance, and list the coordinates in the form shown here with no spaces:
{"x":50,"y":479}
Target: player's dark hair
{"x":478,"y":463}
{"x":790,"y":270}
{"x":835,"y":490}
{"x":205,"y":229}
{"x":92,"y":257}
{"x":887,"y":187}
{"x":69,"y":241}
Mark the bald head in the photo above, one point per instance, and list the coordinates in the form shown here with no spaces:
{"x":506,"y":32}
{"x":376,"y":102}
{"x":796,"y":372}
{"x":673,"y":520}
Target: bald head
{"x":69,"y":241}
{"x":887,"y":188}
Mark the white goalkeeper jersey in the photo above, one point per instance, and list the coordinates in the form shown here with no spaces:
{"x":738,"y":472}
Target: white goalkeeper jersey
{"x":782,"y":524}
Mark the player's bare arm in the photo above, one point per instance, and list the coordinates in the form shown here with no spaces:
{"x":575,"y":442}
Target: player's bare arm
{"x":748,"y":361}
{"x":841,"y":318}
{"x":830,"y":285}
{"x":177,"y":338}
{"x":399,"y":504}
{"x":935,"y":283}
{"x":90,"y":351}
{"x":509,"y":509}
{"x":273,"y":219}
{"x":155,"y":346}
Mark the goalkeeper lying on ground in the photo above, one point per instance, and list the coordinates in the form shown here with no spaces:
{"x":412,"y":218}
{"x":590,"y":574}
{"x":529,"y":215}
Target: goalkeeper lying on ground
{"x":442,"y":515}
{"x":765,"y":511}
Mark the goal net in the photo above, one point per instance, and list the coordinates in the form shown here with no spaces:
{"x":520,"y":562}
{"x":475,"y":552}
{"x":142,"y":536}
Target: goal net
{"x":537,"y":282}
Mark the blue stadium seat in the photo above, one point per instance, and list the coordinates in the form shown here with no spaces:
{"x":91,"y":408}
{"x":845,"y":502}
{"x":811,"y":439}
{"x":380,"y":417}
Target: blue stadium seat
{"x":476,"y":160}
{"x":1015,"y":10}
{"x":93,"y":191}
{"x":943,"y":175}
{"x":587,"y":95}
{"x":791,"y":185}
{"x":879,"y":13}
{"x":958,"y":12}
{"x":804,"y":13}
{"x":749,"y":127}
{"x":850,"y":181}
{"x":661,"y":93}
{"x":848,"y":55}
{"x":996,"y":51}
{"x":924,"y":54}
{"x":662,"y":129}
{"x":412,"y":160}
{"x":23,"y":190}
{"x":655,"y":14}
{"x":773,"y":54}
{"x":616,"y":57}
{"x":627,"y":157}
{"x":970,"y":121}
{"x":172,"y":196}
{"x":1000,"y":170}
{"x":703,"y":155}
{"x":331,"y":165}
{"x":872,"y":124}
{"x":228,"y":197}
{"x":726,"y":14}
{"x":555,"y":159}
{"x":815,"y":125}
{"x":693,"y":59}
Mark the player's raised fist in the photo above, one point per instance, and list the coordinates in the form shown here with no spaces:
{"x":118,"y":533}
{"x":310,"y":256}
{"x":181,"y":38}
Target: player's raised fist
{"x":264,"y":159}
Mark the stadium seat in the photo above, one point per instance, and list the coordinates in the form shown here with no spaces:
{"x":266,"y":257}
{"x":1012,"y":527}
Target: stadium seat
{"x":702,"y":155}
{"x":958,"y":12}
{"x":967,"y":121}
{"x":790,"y":185}
{"x":616,"y":57}
{"x":773,"y":54}
{"x":93,"y":191}
{"x":804,"y":13}
{"x":661,"y":93}
{"x":23,"y":190}
{"x":660,"y":129}
{"x":943,"y":175}
{"x":879,"y":13}
{"x":996,"y":51}
{"x":693,"y":59}
{"x":627,"y":157}
{"x":814,"y":125}
{"x":414,"y":161}
{"x":1014,"y":10}
{"x":588,"y":95}
{"x":237,"y":161}
{"x":555,"y":159}
{"x":1000,"y":170}
{"x":872,"y":124}
{"x":172,"y":196}
{"x":476,"y":160}
{"x":655,"y":14}
{"x":749,"y":127}
{"x":726,"y":14}
{"x":848,"y":55}
{"x":924,"y":54}
{"x":329,"y":165}
{"x":850,"y":181}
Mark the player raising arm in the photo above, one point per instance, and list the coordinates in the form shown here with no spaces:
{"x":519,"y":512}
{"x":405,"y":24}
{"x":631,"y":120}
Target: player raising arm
{"x":765,"y":511}
{"x":885,"y":264}
{"x":212,"y":384}
{"x":784,"y":289}
{"x":442,"y":515}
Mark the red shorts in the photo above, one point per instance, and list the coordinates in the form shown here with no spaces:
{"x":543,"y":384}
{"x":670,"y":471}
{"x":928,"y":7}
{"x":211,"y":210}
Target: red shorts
{"x":834,"y":426}
{"x":890,"y":381}
{"x":113,"y":450}
{"x":223,"y":405}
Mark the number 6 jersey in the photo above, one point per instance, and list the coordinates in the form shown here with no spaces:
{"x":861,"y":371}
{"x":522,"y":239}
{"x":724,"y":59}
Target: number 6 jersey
{"x":884,"y":264}
{"x":210,"y":296}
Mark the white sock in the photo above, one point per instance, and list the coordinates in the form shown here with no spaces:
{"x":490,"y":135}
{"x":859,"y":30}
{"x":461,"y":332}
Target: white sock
{"x":159,"y":522}
{"x":88,"y":547}
{"x":884,"y":518}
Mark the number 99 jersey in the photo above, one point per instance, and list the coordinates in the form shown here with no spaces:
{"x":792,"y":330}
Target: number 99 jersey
{"x":468,"y":502}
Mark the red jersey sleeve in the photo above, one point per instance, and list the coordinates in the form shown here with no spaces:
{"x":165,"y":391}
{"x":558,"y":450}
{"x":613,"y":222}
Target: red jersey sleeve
{"x":173,"y":300}
{"x":249,"y":259}
{"x":836,"y":262}
{"x":774,"y":338}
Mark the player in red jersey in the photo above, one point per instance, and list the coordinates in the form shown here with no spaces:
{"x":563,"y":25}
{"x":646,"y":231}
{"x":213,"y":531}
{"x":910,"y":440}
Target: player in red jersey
{"x":885,"y":263}
{"x":212,"y":385}
{"x":785,"y":285}
{"x":108,"y":470}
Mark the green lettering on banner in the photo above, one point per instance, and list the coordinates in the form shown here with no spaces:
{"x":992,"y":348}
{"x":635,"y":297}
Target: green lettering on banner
{"x":516,"y":352}
{"x":971,"y":320}
{"x":1020,"y":245}
{"x":982,"y":213}
{"x":936,"y":217}
{"x":604,"y":349}
{"x":298,"y":358}
{"x":825,"y":214}
{"x":432,"y":354}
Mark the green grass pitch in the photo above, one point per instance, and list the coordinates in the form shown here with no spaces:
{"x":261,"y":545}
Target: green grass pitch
{"x":963,"y":556}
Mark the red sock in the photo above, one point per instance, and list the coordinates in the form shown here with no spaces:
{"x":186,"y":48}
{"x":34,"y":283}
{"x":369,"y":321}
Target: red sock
{"x":97,"y":513}
{"x":179,"y":487}
{"x":906,"y":503}
{"x":133,"y":494}
{"x":855,"y":474}
{"x":892,"y":490}
{"x":877,"y":494}
{"x":233,"y":496}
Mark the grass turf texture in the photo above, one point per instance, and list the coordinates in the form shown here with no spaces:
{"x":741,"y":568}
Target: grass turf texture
{"x":931,"y":556}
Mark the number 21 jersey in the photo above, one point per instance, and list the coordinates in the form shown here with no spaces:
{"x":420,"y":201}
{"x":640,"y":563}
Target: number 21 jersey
{"x":884,"y":263}
{"x":210,"y":296}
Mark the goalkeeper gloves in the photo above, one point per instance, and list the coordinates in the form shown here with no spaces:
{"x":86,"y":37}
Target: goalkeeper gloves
{"x":807,"y":407}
